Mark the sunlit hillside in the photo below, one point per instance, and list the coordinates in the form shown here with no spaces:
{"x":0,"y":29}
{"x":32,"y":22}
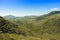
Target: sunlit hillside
{"x":45,"y":27}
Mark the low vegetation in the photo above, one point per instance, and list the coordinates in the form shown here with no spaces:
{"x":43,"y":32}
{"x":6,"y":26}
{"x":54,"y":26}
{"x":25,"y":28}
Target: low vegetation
{"x":45,"y":27}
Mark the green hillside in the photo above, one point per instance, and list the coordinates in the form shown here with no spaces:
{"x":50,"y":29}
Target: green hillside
{"x":45,"y":27}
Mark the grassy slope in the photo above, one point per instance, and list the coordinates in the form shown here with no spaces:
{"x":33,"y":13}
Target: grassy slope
{"x":48,"y":28}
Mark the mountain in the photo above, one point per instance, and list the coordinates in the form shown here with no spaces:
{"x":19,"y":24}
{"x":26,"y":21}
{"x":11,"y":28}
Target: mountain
{"x":8,"y":27}
{"x":22,"y":18}
{"x":49,"y":14}
{"x":19,"y":20}
{"x":45,"y":27}
{"x":5,"y":26}
{"x":51,"y":20}
{"x":9,"y":17}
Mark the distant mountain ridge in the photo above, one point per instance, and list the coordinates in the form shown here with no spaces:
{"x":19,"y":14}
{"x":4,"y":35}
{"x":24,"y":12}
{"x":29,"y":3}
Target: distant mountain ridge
{"x":9,"y":17}
{"x":32,"y":17}
{"x":45,"y":27}
{"x":49,"y":14}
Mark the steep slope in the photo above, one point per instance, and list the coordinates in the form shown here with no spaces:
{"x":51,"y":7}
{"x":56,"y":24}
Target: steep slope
{"x":46,"y":27}
{"x":51,"y":22}
{"x":50,"y":25}
{"x":49,"y":14}
{"x":9,"y":27}
{"x":6,"y":26}
{"x":9,"y":31}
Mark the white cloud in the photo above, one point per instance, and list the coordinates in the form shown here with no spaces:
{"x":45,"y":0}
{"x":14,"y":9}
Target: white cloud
{"x":54,"y":9}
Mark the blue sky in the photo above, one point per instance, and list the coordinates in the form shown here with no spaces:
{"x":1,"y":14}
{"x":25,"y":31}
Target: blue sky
{"x":28,"y":7}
